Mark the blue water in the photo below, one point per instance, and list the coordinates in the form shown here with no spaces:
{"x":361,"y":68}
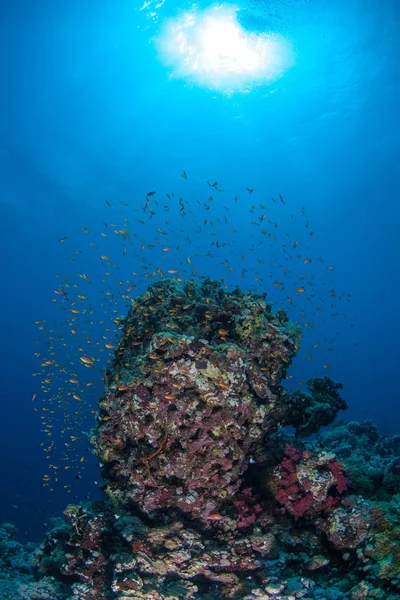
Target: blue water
{"x":90,"y":111}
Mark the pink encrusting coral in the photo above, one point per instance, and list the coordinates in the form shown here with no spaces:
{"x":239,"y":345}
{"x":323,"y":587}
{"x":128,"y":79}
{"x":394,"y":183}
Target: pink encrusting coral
{"x":308,"y":484}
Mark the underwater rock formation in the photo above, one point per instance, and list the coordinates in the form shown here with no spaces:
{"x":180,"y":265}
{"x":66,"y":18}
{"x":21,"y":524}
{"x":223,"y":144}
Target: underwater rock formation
{"x":208,"y":495}
{"x":192,"y":391}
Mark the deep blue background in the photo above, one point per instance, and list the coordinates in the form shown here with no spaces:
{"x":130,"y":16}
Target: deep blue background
{"x":88,"y":112}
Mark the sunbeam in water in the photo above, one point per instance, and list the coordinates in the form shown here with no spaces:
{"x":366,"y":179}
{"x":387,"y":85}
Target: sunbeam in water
{"x":212,"y":49}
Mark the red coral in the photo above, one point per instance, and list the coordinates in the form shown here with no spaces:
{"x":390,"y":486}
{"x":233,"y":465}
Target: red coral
{"x":299,"y":496}
{"x":300,"y":506}
{"x":329,"y":503}
{"x":247,"y":508}
{"x":292,"y":453}
{"x":336,"y":468}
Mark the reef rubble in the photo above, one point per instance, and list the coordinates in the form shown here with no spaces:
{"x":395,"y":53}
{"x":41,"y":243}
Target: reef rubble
{"x":211,"y":490}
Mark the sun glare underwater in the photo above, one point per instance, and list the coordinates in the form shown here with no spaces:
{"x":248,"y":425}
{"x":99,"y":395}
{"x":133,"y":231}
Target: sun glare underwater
{"x":212,"y":49}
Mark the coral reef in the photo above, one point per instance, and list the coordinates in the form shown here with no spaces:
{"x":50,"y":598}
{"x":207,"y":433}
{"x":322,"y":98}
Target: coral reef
{"x":208,"y":495}
{"x":16,"y":578}
{"x":374,"y":460}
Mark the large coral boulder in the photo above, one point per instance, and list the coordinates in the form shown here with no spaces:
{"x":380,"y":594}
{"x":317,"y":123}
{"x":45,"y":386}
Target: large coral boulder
{"x":193,"y":389}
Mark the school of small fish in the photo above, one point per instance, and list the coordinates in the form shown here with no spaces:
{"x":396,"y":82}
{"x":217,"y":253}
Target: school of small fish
{"x":165,"y":236}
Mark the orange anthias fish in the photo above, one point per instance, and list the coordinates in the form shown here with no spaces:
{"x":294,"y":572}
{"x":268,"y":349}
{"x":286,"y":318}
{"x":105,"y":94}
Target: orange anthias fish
{"x":216,"y":517}
{"x":86,"y":360}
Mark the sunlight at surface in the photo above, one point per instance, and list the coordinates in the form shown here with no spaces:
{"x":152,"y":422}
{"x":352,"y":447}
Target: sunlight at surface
{"x":212,"y":49}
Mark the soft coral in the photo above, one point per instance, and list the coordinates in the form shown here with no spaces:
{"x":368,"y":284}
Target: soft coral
{"x":305,"y":484}
{"x":247,"y":508}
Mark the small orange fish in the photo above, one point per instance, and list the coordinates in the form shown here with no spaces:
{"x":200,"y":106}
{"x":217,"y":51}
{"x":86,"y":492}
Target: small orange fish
{"x":170,"y":397}
{"x":86,"y":360}
{"x":300,"y":289}
{"x":216,"y":517}
{"x":106,"y":418}
{"x":223,"y":385}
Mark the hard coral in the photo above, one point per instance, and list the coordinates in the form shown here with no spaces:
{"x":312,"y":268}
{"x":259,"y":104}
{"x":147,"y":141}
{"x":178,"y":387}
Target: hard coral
{"x":316,"y":408}
{"x":348,"y":524}
{"x":372,"y":459}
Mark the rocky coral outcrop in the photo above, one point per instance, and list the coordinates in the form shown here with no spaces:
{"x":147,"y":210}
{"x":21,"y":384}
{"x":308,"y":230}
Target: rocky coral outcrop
{"x":192,"y":391}
{"x":208,"y":496}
